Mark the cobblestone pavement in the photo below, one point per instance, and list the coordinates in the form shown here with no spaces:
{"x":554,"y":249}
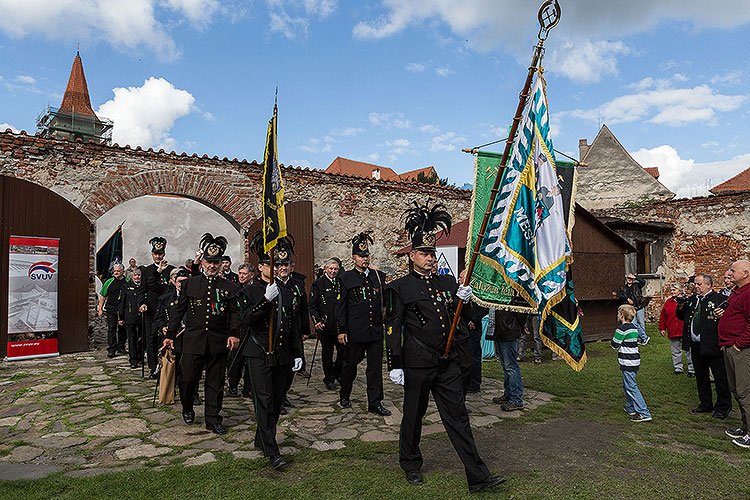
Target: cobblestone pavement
{"x":85,"y":414}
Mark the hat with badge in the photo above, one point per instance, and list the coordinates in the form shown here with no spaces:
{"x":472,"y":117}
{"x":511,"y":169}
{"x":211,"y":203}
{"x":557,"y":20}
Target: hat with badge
{"x":361,"y":244}
{"x":213,"y":248}
{"x":424,"y":223}
{"x":282,"y":252}
{"x":158,"y":244}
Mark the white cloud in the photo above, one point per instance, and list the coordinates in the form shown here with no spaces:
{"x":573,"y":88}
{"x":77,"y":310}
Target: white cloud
{"x":347,"y":132}
{"x":415,"y":67}
{"x":686,"y":177}
{"x":320,"y":8}
{"x":126,"y":25}
{"x":665,"y":106}
{"x":401,"y":123}
{"x":290,"y":27}
{"x":143,"y":116}
{"x":292,"y":18}
{"x":585,"y":60}
{"x":398,"y":142}
{"x":389,"y":120}
{"x":30,"y":80}
{"x":199,"y":12}
{"x":4,"y":126}
{"x":730,"y":78}
{"x":444,"y":72}
{"x":509,"y":24}
{"x":430,"y":129}
{"x":446,"y":142}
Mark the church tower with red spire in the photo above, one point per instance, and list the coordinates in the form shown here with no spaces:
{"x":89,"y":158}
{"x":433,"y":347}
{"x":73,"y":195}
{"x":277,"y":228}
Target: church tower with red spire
{"x":75,"y":118}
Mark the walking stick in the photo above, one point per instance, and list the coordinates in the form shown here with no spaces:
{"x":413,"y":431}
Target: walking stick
{"x":312,"y":363}
{"x":549,"y":15}
{"x":142,"y":343}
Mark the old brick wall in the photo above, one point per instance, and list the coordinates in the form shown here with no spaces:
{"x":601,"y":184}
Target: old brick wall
{"x":96,"y":178}
{"x":710,"y":233}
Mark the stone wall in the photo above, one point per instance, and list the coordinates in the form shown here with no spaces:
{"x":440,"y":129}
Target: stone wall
{"x":97,"y":177}
{"x":710,"y":233}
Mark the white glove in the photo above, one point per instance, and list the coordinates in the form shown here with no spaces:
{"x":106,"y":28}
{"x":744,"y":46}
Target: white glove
{"x":464,"y":293}
{"x":397,"y":376}
{"x":297,"y":363}
{"x":272,"y":291}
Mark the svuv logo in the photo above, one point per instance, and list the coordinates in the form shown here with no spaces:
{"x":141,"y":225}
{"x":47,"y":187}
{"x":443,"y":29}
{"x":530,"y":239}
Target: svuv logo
{"x":41,"y":271}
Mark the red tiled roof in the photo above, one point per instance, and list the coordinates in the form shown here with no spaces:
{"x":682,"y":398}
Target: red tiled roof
{"x":360,"y":169}
{"x":654,"y":171}
{"x":76,"y":98}
{"x":413,"y":174}
{"x":740,"y":182}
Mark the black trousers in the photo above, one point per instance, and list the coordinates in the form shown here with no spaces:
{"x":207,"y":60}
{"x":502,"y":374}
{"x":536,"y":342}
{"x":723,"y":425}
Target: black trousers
{"x":353,"y":354}
{"x":447,"y":391}
{"x":268,"y":384}
{"x":331,"y":368}
{"x":701,"y":364}
{"x":116,"y":335}
{"x":475,"y":341}
{"x":239,"y":371}
{"x":152,"y":340}
{"x":465,"y":361}
{"x":134,"y":343}
{"x":191,"y":368}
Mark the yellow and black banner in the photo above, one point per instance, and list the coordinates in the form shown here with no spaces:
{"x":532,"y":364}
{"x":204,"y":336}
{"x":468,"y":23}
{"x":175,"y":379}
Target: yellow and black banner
{"x":274,"y":215}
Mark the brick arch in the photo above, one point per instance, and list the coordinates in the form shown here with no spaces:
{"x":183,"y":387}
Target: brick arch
{"x":193,"y":185}
{"x":713,"y":254}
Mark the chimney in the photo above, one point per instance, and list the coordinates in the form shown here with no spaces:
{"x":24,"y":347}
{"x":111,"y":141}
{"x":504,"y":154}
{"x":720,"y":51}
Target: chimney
{"x":376,"y":174}
{"x":583,"y":148}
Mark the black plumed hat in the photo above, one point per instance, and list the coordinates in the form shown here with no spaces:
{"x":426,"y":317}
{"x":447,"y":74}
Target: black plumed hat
{"x":158,"y":244}
{"x":213,"y":248}
{"x":282,"y":252}
{"x":423,"y":223}
{"x":361,"y":244}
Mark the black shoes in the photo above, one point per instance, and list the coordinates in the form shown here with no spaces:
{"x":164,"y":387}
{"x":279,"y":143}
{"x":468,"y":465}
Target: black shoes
{"x":720,"y":415}
{"x":414,"y":477}
{"x":232,"y":392}
{"x":111,"y":354}
{"x":380,"y":410}
{"x":287,"y":403}
{"x":702,"y":409}
{"x":277,"y":462}
{"x":490,"y":482}
{"x":331,"y":386}
{"x":197,"y":400}
{"x":345,"y":403}
{"x":283,"y":410}
{"x":188,"y":416}
{"x":216,"y":429}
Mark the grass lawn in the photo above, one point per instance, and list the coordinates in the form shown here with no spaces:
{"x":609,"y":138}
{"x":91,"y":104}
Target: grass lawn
{"x":579,"y":446}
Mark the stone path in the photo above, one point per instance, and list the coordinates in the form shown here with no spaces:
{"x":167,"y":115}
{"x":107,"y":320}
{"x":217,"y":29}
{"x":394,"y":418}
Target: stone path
{"x":85,"y":414}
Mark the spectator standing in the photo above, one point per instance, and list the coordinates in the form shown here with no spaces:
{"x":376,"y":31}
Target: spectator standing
{"x":631,"y":293}
{"x":533,"y":325}
{"x":109,"y":301}
{"x":625,"y":342}
{"x":728,"y":285}
{"x":130,"y":269}
{"x":703,"y":341}
{"x":734,"y":339}
{"x":508,"y":329}
{"x":671,"y":326}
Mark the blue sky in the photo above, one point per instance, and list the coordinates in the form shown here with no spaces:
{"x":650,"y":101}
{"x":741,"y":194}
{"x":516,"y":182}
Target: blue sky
{"x":399,"y":83}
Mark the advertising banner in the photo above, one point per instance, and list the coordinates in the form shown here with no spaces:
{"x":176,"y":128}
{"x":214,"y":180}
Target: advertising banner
{"x":32,"y":297}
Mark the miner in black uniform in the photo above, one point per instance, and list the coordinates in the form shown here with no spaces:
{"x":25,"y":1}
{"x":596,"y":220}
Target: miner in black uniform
{"x":110,"y":296}
{"x":226,"y":270}
{"x":131,"y":301}
{"x":164,"y":311}
{"x":212,"y":328}
{"x":237,"y":367}
{"x":324,"y":295}
{"x":154,"y":284}
{"x":300,"y":311}
{"x":420,"y":310}
{"x":272,"y":345}
{"x":359,"y":314}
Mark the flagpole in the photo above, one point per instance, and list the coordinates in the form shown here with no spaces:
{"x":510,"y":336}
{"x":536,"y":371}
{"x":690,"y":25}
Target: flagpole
{"x":549,"y":15}
{"x":270,"y":320}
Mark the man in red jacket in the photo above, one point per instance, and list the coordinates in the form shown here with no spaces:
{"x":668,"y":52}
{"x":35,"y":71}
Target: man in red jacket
{"x":671,"y":326}
{"x":734,"y":339}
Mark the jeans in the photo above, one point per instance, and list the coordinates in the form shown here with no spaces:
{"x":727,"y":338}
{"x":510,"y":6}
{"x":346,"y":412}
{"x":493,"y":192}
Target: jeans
{"x":538,"y":345}
{"x":640,"y":324}
{"x":634,"y":401}
{"x":512,"y":384}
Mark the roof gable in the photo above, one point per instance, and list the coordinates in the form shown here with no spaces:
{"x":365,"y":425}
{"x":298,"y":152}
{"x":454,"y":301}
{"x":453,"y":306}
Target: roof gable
{"x":360,"y":169}
{"x":736,"y":184}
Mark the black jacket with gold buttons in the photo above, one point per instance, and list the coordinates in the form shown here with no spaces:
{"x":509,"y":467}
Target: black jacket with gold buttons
{"x":324,"y":295}
{"x":359,"y":312}
{"x":420,"y":308}
{"x":211,"y":315}
{"x":287,"y":341}
{"x":130,"y":301}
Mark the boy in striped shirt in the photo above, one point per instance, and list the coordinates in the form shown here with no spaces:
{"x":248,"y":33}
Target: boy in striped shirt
{"x":625,"y":342}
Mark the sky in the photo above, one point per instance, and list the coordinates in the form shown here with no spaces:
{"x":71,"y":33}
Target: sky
{"x":397,"y":83}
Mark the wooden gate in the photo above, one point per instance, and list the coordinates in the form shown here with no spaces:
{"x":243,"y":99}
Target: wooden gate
{"x":27,"y":209}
